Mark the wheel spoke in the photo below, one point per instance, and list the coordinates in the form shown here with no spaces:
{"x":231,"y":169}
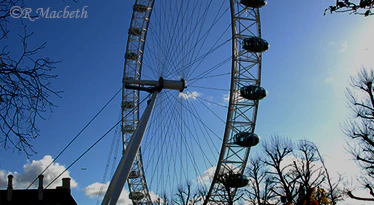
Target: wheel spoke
{"x":192,"y":131}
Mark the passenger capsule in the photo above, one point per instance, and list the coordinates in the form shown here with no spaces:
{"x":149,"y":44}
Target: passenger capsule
{"x":133,"y":175}
{"x":128,"y":104}
{"x":255,"y":44}
{"x":136,"y":31}
{"x":136,"y":196}
{"x":253,"y":3}
{"x":253,"y":92}
{"x":140,"y":8}
{"x":235,"y":180}
{"x":246,"y":139}
{"x":131,"y":56}
{"x":128,"y":129}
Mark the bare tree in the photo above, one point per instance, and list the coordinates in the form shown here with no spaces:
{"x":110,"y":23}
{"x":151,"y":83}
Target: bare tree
{"x":286,"y":173}
{"x":164,"y":200}
{"x":277,"y":150}
{"x":261,"y":184}
{"x":334,"y":191}
{"x":202,"y":191}
{"x":185,"y":196}
{"x":25,"y":84}
{"x":360,"y":129}
{"x":308,"y":172}
{"x":298,"y":174}
{"x":229,"y":193}
{"x":360,"y":7}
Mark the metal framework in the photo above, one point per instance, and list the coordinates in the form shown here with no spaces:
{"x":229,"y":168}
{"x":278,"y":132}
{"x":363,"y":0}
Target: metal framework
{"x":132,"y":70}
{"x":132,"y":147}
{"x":246,"y":70}
{"x":123,"y":170}
{"x":241,"y":114}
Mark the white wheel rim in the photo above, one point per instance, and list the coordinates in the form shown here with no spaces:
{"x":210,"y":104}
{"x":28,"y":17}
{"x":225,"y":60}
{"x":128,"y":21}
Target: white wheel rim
{"x":241,"y":114}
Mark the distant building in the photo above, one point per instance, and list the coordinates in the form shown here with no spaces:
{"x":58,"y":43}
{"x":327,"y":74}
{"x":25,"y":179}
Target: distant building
{"x":59,"y":196}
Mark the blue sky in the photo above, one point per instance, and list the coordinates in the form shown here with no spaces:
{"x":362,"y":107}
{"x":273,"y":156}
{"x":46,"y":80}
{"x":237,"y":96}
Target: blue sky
{"x":305,"y":72}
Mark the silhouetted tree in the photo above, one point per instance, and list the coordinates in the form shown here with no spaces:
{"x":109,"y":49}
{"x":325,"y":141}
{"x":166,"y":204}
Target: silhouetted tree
{"x":276,"y":150}
{"x":164,"y":200}
{"x":25,"y":83}
{"x":185,"y":196}
{"x":333,"y":190}
{"x":359,"y":7}
{"x":284,"y":173}
{"x":229,"y":194}
{"x":261,"y":184}
{"x":296,"y":174}
{"x":360,"y":129}
{"x":309,"y":174}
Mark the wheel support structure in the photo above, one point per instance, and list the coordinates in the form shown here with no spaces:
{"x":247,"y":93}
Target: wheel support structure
{"x":124,"y":167}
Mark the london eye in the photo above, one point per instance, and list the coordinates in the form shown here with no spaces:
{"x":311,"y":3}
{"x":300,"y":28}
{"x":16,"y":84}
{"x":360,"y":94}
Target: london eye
{"x":191,"y":91}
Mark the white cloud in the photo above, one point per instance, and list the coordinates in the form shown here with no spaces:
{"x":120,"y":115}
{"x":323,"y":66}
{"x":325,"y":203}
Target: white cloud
{"x":98,"y":190}
{"x":343,"y":48}
{"x":155,"y":197}
{"x":226,"y":97}
{"x":3,"y":178}
{"x":329,"y":80}
{"x":189,"y":95}
{"x":208,"y":175}
{"x":237,"y":97}
{"x":32,"y":171}
{"x":95,"y":189}
{"x":326,"y":42}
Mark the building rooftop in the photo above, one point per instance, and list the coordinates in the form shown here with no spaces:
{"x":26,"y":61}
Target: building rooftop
{"x":59,"y":196}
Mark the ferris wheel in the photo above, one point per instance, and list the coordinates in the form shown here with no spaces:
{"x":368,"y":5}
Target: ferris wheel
{"x":192,"y":77}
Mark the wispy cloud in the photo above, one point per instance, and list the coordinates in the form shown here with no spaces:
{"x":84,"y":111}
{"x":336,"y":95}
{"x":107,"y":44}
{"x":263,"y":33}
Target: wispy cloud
{"x":208,"y":174}
{"x":98,"y":190}
{"x":95,"y":189}
{"x":206,"y":177}
{"x":189,"y":95}
{"x":343,"y":48}
{"x":226,"y":97}
{"x":329,"y":80}
{"x":327,"y":42}
{"x":237,"y":97}
{"x":32,"y":170}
